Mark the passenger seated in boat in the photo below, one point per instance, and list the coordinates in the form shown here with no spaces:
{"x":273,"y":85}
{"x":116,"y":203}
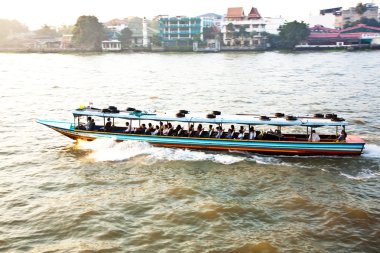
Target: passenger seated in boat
{"x":252,"y":133}
{"x":342,"y":137}
{"x":128,"y":128}
{"x":171,"y":130}
{"x":108,"y":126}
{"x":141,"y":129}
{"x":177,"y":131}
{"x":219,"y":132}
{"x":229,"y":134}
{"x":86,"y":126}
{"x":278,"y":133}
{"x":166,"y":130}
{"x":232,"y":129}
{"x":149,"y":129}
{"x":199,"y":130}
{"x":191,"y":131}
{"x":241,"y":134}
{"x":92,"y":125}
{"x":156,"y":131}
{"x":260,"y":135}
{"x":161,"y":127}
{"x":210,"y":131}
{"x":314,"y":137}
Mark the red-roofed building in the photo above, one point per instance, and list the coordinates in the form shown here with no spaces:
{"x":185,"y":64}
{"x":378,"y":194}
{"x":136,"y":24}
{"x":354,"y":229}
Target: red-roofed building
{"x":243,"y":32}
{"x":235,"y":14}
{"x":254,"y":14}
{"x":323,"y":37}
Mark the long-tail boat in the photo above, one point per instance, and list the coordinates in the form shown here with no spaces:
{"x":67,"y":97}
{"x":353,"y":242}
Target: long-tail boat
{"x":273,"y":143}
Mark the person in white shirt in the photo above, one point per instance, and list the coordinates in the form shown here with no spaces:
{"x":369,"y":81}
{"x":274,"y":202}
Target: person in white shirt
{"x":128,"y":128}
{"x":166,"y":130}
{"x":314,"y":137}
{"x":229,"y":134}
{"x":241,"y":134}
{"x":252,"y":133}
{"x":157,"y":131}
{"x":219,"y":132}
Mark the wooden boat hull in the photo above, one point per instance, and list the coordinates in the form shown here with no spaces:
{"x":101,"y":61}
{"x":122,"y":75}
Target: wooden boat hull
{"x":354,"y":145}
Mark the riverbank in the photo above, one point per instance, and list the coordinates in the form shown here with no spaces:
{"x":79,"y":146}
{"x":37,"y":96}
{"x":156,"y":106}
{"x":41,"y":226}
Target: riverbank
{"x":161,"y":49}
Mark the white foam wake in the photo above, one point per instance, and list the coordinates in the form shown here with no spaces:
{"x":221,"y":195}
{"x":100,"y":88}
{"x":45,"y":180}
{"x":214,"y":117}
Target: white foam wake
{"x":110,"y":150}
{"x":371,"y":150}
{"x":365,"y":174}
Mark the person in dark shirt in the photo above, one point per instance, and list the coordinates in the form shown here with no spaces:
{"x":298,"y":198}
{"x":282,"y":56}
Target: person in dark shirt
{"x":108,"y":126}
{"x":342,"y":137}
{"x":92,"y":125}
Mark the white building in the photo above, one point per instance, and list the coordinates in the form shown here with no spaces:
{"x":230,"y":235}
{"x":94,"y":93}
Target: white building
{"x":111,"y":45}
{"x":116,"y":25}
{"x":241,"y":30}
{"x":272,"y":24}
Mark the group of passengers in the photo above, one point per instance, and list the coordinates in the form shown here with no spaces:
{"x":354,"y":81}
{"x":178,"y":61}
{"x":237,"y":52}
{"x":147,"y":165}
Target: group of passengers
{"x":314,"y":137}
{"x":218,"y":132}
{"x":89,"y":126}
{"x":210,"y":132}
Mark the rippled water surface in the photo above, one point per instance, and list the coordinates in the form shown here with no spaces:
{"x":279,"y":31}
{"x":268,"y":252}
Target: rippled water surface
{"x":101,"y":196}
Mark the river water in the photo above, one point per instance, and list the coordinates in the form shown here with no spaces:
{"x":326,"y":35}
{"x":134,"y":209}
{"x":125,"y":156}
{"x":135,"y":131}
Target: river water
{"x":101,"y":196}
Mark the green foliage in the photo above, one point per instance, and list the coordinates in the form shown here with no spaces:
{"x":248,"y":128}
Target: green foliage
{"x":274,"y":40}
{"x":65,"y":29}
{"x":363,"y":20}
{"x":135,"y":23}
{"x":360,"y":8}
{"x":242,"y":32}
{"x":230,"y":28}
{"x":88,"y":33}
{"x":10,"y":27}
{"x":156,"y":40}
{"x":292,"y":33}
{"x":46,"y":31}
{"x":196,"y":37}
{"x":253,"y":34}
{"x":125,"y":36}
{"x":210,"y":33}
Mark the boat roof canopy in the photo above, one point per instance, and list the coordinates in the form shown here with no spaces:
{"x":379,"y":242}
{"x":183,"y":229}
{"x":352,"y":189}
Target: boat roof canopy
{"x":244,"y":119}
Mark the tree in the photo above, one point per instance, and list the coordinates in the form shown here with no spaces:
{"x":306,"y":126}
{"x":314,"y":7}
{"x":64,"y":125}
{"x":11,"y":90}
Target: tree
{"x":210,"y":32}
{"x":65,"y":29}
{"x":10,"y":27}
{"x":156,"y":41}
{"x":273,"y":40}
{"x":360,"y":8}
{"x":292,"y":33}
{"x":363,"y":20}
{"x":125,"y":36}
{"x":230,"y":28}
{"x":46,"y":31}
{"x":88,"y":33}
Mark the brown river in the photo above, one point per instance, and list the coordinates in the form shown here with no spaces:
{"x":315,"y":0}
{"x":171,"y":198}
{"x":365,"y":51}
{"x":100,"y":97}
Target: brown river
{"x":60,"y":196}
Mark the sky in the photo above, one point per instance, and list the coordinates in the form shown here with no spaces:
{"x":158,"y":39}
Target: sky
{"x":36,"y":13}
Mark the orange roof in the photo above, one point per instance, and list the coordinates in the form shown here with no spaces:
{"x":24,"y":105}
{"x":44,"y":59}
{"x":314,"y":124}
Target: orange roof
{"x":235,"y":12}
{"x":254,"y":13}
